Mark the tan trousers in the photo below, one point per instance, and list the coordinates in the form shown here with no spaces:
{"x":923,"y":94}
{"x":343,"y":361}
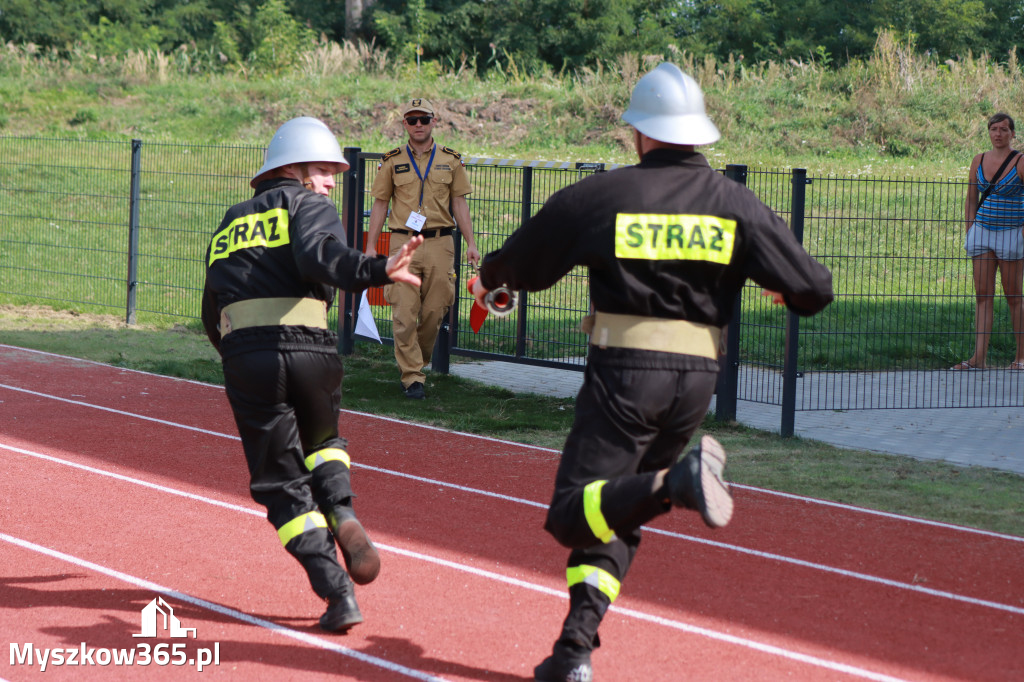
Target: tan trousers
{"x":417,"y":312}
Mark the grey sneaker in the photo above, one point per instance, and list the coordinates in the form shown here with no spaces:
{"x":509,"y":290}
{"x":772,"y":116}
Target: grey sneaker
{"x":696,"y":482}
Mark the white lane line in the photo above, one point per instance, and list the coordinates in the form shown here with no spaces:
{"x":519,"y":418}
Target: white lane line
{"x":666,"y":622}
{"x":764,"y":491}
{"x":477,"y":491}
{"x":117,"y":412}
{"x":517,"y":500}
{"x":304,"y":637}
{"x":538,"y":588}
{"x":488,"y":575}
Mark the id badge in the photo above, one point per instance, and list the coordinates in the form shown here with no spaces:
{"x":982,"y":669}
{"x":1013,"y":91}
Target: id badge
{"x":416,"y":221}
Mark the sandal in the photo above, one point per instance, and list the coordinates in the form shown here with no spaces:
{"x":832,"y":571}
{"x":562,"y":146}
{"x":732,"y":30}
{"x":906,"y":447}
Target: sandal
{"x":964,"y":365}
{"x":1017,"y":365}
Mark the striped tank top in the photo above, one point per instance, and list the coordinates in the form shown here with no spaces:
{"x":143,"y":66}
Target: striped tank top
{"x":1004,"y":207}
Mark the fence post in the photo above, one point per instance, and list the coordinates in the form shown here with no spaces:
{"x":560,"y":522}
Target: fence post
{"x":727,"y":389}
{"x":351,"y":191}
{"x":133,"y":232}
{"x":525,"y":213}
{"x":789,"y":367}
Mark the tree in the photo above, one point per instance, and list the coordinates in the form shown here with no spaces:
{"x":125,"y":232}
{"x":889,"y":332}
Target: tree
{"x":354,"y":10}
{"x":947,"y":28}
{"x":48,"y":23}
{"x":531,"y":34}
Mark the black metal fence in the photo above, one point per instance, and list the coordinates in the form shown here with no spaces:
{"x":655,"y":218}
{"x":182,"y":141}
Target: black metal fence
{"x":122,"y":227}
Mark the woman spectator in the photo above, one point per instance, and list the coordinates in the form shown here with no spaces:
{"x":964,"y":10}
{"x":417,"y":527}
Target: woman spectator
{"x":994,"y":217}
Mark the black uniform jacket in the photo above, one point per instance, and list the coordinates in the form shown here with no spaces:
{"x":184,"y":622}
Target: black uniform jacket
{"x":284,"y":242}
{"x":667,"y":238}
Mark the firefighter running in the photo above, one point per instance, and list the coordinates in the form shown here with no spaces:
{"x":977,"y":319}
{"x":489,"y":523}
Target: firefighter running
{"x":273,"y":267}
{"x":669,"y":244}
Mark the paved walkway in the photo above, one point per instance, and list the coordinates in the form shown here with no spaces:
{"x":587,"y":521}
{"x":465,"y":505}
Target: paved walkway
{"x":976,"y":436}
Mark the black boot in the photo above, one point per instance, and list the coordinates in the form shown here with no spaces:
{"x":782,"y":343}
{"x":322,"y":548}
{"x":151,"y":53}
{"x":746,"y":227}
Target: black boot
{"x":361,"y":558}
{"x":342,"y":610}
{"x":567,"y":663}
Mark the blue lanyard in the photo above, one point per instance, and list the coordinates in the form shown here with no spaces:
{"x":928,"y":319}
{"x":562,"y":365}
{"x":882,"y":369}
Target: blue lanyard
{"x":416,"y":168}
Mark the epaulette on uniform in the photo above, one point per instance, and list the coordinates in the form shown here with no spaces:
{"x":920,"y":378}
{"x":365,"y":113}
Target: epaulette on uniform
{"x":394,"y":152}
{"x":454,"y":153}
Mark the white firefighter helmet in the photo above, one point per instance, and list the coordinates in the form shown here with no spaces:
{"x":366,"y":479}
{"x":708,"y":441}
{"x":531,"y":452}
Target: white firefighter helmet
{"x":301,"y":140}
{"x":667,"y":105}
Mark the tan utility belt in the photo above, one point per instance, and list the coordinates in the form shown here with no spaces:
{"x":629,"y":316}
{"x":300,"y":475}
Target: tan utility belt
{"x":273,"y":312}
{"x":653,"y":333}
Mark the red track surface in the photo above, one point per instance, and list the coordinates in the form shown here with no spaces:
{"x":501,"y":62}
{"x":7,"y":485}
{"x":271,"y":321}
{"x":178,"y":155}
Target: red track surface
{"x":119,"y":486}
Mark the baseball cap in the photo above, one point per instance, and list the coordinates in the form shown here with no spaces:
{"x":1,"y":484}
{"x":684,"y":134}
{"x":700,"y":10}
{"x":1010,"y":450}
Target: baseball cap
{"x":418,"y":104}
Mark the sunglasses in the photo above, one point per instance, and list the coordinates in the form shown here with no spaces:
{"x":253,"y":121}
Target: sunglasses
{"x":413,"y":120}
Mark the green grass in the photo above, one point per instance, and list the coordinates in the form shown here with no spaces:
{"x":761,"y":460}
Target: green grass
{"x":897,"y":112}
{"x":970,"y":496}
{"x":903,"y":303}
{"x":893,"y":246}
{"x":897,"y":115}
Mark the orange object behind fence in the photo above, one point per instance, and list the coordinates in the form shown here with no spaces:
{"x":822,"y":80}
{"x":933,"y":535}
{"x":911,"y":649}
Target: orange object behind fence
{"x":375,"y":295}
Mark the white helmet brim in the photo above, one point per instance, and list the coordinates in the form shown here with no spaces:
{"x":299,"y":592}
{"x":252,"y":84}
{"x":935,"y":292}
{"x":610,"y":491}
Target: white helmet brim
{"x":301,"y":140}
{"x":667,"y":105}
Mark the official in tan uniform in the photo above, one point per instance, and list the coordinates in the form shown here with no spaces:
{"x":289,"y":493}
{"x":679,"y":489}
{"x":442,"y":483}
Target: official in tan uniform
{"x":426,"y":185}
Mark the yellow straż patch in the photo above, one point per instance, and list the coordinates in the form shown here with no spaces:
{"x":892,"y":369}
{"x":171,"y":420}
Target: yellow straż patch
{"x":654,"y":236}
{"x":268,"y":229}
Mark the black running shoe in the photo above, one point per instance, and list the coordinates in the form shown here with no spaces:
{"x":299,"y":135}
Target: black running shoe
{"x":696,"y":482}
{"x":342,"y":611}
{"x":565,"y":666}
{"x":415,"y":391}
{"x":361,"y":558}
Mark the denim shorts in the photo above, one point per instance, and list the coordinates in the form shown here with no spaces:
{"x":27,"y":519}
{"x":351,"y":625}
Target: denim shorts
{"x":1007,"y":244}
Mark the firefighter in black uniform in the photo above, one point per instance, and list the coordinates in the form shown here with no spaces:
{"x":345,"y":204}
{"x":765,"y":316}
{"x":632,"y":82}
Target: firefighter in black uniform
{"x":668,"y":243}
{"x":273,"y":266}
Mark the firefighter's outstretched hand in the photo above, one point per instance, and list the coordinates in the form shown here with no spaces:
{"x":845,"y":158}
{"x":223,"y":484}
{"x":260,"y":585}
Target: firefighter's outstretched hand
{"x":478,"y":313}
{"x":777,"y":297}
{"x":478,"y":290}
{"x":398,"y":265}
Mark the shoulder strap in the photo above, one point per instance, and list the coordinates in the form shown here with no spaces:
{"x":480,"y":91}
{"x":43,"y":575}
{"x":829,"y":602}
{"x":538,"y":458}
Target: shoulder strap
{"x":999,"y":174}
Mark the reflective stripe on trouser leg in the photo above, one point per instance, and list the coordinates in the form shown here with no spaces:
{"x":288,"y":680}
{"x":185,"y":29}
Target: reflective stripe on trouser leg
{"x":326,"y":455}
{"x":591,"y":592}
{"x":596,"y":577}
{"x":299,"y":525}
{"x":307,"y":538}
{"x":331,"y":469}
{"x":592,"y":511}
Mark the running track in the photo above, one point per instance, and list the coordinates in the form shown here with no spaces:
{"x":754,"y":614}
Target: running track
{"x":119,"y":485}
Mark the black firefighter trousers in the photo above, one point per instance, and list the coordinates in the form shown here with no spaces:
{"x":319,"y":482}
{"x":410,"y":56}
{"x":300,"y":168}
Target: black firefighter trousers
{"x":629,"y":424}
{"x":286,"y":402}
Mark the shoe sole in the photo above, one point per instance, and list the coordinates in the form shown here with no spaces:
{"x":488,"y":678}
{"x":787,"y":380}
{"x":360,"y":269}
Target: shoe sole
{"x":342,"y":624}
{"x":361,"y":558}
{"x":550,"y":671}
{"x":718,"y":505}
